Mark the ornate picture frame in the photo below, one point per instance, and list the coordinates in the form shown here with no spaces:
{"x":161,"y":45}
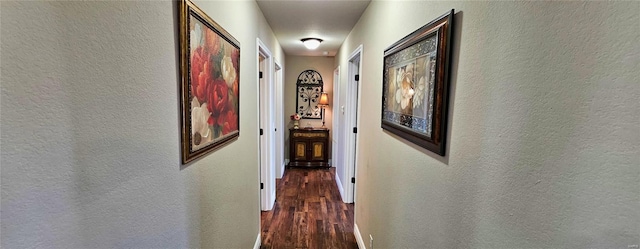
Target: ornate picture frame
{"x":415,"y":85}
{"x":209,"y":83}
{"x":309,"y":87}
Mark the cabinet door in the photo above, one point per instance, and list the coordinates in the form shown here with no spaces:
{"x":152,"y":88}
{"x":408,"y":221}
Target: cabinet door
{"x":300,"y":148}
{"x":317,"y":152}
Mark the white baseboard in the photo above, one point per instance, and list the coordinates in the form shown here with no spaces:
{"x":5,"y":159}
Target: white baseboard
{"x":273,"y":197}
{"x":359,"y":240}
{"x":340,"y":189}
{"x":282,"y":168}
{"x":258,"y":242}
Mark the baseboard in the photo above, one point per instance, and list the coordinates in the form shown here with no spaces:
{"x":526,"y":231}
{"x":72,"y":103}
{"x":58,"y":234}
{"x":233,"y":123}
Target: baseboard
{"x":356,"y":232}
{"x":259,"y":242}
{"x":282,"y":168}
{"x":340,"y":189}
{"x":273,"y":197}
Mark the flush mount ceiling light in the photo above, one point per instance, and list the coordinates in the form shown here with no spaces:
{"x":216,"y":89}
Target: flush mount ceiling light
{"x":311,"y":43}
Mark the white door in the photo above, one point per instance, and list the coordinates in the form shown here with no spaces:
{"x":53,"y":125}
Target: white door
{"x":337,"y":137}
{"x":351,"y":125}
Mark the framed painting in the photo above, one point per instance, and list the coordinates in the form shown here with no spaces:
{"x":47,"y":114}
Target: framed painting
{"x":308,"y":91}
{"x":209,"y":83}
{"x":415,"y":85}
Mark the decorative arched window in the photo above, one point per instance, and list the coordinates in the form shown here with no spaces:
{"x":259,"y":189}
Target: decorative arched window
{"x":309,"y":88}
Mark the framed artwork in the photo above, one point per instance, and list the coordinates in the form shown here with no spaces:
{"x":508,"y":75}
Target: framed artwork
{"x":309,"y":88}
{"x":415,"y":85}
{"x":209,"y":83}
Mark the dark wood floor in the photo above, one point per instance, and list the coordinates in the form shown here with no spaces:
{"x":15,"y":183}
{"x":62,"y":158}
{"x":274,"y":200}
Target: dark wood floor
{"x":308,"y":212}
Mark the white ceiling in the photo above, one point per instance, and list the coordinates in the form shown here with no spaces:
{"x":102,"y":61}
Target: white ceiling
{"x":329,"y":20}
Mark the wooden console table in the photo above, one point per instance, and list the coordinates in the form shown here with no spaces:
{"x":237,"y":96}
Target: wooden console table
{"x":309,"y":147}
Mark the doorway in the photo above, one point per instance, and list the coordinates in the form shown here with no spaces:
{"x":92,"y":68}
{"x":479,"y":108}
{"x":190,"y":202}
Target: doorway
{"x":267,"y":127}
{"x":337,"y":138}
{"x":350,"y":128}
{"x":279,"y":120}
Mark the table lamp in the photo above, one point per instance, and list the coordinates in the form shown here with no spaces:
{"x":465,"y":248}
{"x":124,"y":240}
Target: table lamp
{"x":324,"y":102}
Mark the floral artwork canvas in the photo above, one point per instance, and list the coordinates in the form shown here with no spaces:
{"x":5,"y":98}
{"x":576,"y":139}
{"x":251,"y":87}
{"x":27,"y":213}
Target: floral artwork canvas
{"x":210,"y":67}
{"x":410,"y":90}
{"x":415,"y":85}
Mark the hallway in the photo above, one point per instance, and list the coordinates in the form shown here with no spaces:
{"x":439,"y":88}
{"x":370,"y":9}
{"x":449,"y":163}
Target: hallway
{"x":541,"y":141}
{"x":308,"y":213}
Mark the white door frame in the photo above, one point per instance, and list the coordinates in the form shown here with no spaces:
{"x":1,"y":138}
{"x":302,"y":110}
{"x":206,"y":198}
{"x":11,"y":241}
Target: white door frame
{"x":352,"y":119}
{"x":279,"y":120}
{"x":265,"y":122}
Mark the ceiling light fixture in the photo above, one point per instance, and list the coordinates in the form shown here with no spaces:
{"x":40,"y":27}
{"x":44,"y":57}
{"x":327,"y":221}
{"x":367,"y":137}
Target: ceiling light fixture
{"x":311,"y":43}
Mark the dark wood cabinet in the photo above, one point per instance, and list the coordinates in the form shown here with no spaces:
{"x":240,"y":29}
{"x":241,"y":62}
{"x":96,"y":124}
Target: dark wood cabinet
{"x":309,"y":147}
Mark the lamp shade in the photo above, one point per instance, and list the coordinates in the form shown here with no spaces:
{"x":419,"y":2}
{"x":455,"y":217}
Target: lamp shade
{"x":311,"y":43}
{"x":324,"y":100}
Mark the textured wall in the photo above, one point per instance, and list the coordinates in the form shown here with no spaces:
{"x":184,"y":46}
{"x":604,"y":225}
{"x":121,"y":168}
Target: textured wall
{"x":544,"y":144}
{"x":90,"y":130}
{"x":294,"y":66}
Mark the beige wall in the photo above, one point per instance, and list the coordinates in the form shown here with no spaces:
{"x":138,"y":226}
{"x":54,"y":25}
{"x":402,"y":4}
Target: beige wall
{"x":543,"y":141}
{"x":293,"y":67}
{"x":90,"y":130}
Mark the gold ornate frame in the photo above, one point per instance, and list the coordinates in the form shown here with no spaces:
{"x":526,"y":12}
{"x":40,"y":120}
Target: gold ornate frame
{"x":209,"y":83}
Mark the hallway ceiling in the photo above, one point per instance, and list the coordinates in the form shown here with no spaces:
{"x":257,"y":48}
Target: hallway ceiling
{"x":329,"y":20}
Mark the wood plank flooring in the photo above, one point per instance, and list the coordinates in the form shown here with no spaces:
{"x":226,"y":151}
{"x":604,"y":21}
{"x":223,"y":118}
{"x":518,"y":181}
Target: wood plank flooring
{"x":308,"y":213}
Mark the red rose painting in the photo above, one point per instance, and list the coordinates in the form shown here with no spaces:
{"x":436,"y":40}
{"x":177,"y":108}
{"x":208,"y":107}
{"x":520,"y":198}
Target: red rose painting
{"x":210,"y":83}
